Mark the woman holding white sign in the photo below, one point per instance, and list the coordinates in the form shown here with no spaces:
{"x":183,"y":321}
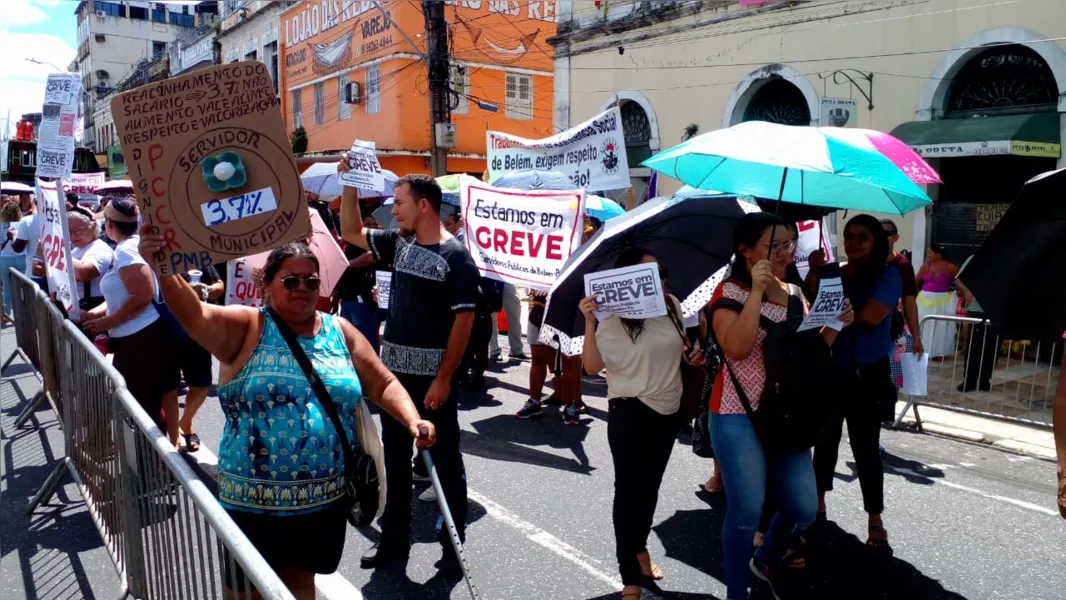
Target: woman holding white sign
{"x":643,"y":363}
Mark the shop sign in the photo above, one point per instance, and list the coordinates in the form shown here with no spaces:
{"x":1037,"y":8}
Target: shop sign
{"x":996,"y":148}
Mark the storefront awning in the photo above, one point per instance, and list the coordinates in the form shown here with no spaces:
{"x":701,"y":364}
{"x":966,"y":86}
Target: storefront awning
{"x":1019,"y":135}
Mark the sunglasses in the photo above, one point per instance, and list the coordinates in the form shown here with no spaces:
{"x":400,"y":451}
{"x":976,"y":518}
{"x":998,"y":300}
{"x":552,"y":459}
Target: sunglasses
{"x":890,"y":232}
{"x":311,"y":282}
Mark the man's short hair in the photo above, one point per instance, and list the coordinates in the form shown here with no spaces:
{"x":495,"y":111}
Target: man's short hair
{"x":424,"y":187}
{"x":890,"y":223}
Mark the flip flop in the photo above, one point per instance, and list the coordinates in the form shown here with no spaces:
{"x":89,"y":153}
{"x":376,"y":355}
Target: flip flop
{"x":192,"y":441}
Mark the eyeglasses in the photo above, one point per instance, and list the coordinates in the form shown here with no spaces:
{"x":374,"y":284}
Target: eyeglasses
{"x":780,"y":247}
{"x":891,"y":232}
{"x":311,"y":282}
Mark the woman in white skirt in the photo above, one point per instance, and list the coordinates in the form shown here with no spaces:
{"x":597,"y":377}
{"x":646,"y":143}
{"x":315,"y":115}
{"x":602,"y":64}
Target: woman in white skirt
{"x":936,"y":297}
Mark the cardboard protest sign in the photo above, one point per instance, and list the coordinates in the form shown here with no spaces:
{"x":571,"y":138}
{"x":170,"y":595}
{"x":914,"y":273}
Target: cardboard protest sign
{"x":83,"y":183}
{"x":212,"y":167}
{"x":521,"y":237}
{"x":240,"y":287}
{"x":55,"y":240}
{"x":592,"y":154}
{"x":365,"y":170}
{"x":59,"y":116}
{"x":634,"y":292}
{"x":813,"y":235}
{"x":827,"y":307}
{"x":383,"y":281}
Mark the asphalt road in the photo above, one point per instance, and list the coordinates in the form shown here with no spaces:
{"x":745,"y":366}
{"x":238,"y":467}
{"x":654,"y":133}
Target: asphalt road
{"x":965,"y":521}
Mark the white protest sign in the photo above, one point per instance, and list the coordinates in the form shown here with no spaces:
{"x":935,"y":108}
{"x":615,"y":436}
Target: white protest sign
{"x":383,"y":281}
{"x":630,"y":292}
{"x":83,"y":183}
{"x":592,"y":154}
{"x":365,"y":170}
{"x":521,"y":237}
{"x":827,"y":307}
{"x":240,"y":287}
{"x":55,"y":240}
{"x":813,"y":235}
{"x":59,"y":116}
{"x":915,"y":374}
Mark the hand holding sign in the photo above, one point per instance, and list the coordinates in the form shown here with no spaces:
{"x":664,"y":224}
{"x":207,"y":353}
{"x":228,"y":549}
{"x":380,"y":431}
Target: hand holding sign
{"x":363,"y":170}
{"x":828,"y":307}
{"x":634,"y":292}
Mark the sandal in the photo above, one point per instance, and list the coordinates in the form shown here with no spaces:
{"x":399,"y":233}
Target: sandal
{"x":717,"y":488}
{"x":192,"y":441}
{"x":795,"y":557}
{"x":878,"y":539}
{"x":652,"y":572}
{"x":632,"y":595}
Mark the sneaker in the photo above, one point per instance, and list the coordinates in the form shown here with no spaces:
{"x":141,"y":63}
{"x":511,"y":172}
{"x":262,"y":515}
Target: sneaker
{"x":417,"y":477}
{"x":531,"y":409}
{"x":519,"y":357}
{"x":762,"y":574}
{"x":430,"y":495}
{"x":582,"y":408}
{"x":380,"y":556}
{"x":570,"y":415}
{"x":449,"y":566}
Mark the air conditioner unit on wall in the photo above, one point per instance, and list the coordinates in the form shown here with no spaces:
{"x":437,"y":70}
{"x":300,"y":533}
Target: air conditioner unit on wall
{"x":353,"y":92}
{"x":101,"y":14}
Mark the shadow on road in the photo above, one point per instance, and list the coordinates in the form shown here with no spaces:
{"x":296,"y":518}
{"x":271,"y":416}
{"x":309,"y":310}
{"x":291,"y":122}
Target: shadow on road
{"x":506,"y":438}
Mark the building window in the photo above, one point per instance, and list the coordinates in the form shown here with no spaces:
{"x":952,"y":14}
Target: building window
{"x":297,"y":109}
{"x":460,"y":86}
{"x":158,"y":48}
{"x":344,"y":110}
{"x":139,"y":12}
{"x":519,"y":96}
{"x":373,"y":89}
{"x":320,"y":103}
{"x":110,"y":8}
{"x":231,"y":6}
{"x":159,"y":15}
{"x":181,"y":19}
{"x":270,"y":56}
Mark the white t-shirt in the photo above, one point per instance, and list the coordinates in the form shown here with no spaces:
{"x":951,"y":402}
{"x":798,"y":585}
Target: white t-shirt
{"x":9,"y":245}
{"x":30,"y":230}
{"x":115,"y":293}
{"x":100,"y":256}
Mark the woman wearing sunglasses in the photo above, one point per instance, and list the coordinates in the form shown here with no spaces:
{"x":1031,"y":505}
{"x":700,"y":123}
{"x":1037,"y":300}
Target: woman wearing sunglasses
{"x":281,"y":468}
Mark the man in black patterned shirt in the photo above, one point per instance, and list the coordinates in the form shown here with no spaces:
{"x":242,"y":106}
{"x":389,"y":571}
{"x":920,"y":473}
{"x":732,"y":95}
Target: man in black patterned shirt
{"x":432,"y":298}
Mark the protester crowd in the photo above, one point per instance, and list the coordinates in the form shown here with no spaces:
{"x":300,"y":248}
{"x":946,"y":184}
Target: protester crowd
{"x":277,"y":363}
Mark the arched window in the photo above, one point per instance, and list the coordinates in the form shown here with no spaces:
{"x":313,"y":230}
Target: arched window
{"x":778,"y":101}
{"x":637,"y":131}
{"x":1003,"y":78}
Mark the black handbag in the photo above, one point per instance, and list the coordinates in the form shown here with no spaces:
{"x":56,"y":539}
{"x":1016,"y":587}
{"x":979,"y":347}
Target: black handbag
{"x":362,"y":485}
{"x":701,"y":430}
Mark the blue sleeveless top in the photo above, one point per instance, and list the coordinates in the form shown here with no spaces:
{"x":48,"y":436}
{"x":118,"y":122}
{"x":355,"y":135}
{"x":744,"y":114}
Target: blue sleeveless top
{"x":279,"y":452}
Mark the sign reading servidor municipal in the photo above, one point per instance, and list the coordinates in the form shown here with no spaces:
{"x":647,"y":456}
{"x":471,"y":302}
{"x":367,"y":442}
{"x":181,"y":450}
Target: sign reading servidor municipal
{"x":211,"y":164}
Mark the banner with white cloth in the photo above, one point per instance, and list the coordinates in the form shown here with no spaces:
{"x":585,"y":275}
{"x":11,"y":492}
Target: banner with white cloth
{"x":55,"y":241}
{"x":592,"y":154}
{"x":521,"y":237}
{"x":83,"y":183}
{"x":813,"y":235}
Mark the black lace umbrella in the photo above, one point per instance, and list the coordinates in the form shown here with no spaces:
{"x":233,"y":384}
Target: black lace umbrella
{"x":692,"y":238}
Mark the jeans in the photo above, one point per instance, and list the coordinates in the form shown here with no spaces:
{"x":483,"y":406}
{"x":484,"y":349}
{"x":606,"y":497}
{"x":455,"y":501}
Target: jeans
{"x":864,"y":390}
{"x":10,"y":262}
{"x":641,"y":441}
{"x":364,"y":316}
{"x":396,"y":520}
{"x":747,"y":475}
{"x":512,"y":307}
{"x":981,"y":353}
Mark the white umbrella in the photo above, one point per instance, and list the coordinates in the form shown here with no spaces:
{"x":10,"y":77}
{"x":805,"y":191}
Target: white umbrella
{"x":115,"y":186}
{"x":322,"y":179}
{"x":14,"y":187}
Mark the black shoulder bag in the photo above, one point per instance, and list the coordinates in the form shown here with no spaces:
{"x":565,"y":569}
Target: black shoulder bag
{"x":360,"y":473}
{"x":799,"y":393}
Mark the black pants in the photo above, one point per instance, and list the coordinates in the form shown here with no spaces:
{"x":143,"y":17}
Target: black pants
{"x":981,"y":353}
{"x":641,"y":441}
{"x":476,"y":358}
{"x":864,"y":390}
{"x":396,"y":520}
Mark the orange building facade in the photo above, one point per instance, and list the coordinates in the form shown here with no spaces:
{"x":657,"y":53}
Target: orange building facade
{"x":499,"y":60}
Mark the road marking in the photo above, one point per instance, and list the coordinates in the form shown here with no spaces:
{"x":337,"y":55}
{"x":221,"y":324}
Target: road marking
{"x":335,"y":586}
{"x":545,"y":539}
{"x":967,"y":465}
{"x":977,"y":492}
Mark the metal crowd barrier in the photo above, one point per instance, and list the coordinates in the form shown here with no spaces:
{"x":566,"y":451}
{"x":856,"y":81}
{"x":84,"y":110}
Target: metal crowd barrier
{"x":23,"y":294}
{"x":166,"y":533}
{"x":981,"y":373}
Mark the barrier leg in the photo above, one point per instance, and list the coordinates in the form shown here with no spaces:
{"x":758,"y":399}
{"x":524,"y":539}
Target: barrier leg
{"x":50,"y":484}
{"x":31,"y":408}
{"x":449,"y":522}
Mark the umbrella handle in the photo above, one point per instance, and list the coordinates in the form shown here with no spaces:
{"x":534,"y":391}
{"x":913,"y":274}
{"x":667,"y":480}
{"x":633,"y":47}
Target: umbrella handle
{"x":777,"y":209}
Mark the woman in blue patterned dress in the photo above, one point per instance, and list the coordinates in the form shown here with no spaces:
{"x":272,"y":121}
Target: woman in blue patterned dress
{"x":281,"y":468}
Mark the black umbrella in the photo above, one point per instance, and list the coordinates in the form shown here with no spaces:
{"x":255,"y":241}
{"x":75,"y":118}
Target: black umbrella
{"x":1019,"y":273}
{"x":692,"y":238}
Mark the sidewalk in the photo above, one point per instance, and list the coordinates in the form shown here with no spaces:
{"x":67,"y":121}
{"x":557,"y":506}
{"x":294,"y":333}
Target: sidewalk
{"x":1029,"y":440}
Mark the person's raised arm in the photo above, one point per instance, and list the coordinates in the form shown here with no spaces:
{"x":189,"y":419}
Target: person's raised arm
{"x":221,"y":330}
{"x":736,"y":332}
{"x":590,"y":352}
{"x":352,"y":230}
{"x":382,"y":387}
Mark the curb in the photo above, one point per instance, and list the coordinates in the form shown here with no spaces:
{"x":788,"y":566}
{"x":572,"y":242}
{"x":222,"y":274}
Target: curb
{"x":977,"y":437}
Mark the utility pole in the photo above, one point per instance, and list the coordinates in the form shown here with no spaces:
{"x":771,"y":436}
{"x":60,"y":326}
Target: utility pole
{"x":439,"y":95}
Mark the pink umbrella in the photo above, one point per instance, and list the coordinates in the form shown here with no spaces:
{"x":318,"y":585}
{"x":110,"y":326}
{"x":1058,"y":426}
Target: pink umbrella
{"x":331,"y":259}
{"x":901,"y":155}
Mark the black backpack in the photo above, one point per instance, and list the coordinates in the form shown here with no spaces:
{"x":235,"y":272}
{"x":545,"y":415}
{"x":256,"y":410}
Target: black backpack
{"x":801,"y":389}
